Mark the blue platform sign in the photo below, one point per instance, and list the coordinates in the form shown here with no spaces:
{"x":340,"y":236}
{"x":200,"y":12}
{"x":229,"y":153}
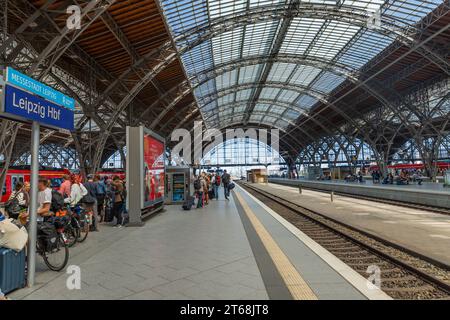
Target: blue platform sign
{"x":22,"y":81}
{"x":24,"y":105}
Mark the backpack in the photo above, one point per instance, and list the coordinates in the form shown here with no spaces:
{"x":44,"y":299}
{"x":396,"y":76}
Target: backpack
{"x":197,"y":184}
{"x":217,"y":181}
{"x":12,"y":207}
{"x":57,"y":201}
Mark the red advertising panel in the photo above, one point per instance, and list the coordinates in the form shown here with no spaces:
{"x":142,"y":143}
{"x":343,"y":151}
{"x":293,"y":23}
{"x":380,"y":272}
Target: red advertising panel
{"x":153,"y":171}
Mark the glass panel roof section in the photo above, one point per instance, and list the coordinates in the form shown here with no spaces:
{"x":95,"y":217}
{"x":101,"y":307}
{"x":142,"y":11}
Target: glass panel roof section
{"x":269,"y":93}
{"x":304,"y":75}
{"x":227,"y":46}
{"x":325,"y":39}
{"x":249,"y":73}
{"x":280,"y":72}
{"x":327,"y":82}
{"x":258,"y":38}
{"x":262,"y":107}
{"x":288,"y":96}
{"x":305,"y":102}
{"x":227,"y":79}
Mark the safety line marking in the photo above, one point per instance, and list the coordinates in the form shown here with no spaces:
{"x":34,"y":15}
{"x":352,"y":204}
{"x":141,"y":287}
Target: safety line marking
{"x":298,"y":288}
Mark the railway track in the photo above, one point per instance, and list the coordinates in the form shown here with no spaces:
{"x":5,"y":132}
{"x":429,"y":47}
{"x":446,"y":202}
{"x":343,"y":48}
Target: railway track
{"x":439,"y":210}
{"x":404,"y":274}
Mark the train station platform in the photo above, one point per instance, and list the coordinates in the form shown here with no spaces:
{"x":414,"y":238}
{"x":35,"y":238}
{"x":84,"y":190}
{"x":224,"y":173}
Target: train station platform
{"x":421,"y":231}
{"x":237,"y":249}
{"x":427,"y":194}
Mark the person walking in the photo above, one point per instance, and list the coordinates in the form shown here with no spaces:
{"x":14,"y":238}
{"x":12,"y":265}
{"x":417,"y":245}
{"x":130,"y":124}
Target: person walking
{"x":91,"y":187}
{"x":206,"y":188}
{"x":101,"y":194}
{"x":216,"y":184}
{"x":226,"y":182}
{"x":119,"y":198}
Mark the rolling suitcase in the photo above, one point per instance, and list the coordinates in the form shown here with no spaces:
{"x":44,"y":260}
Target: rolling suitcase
{"x":12,"y":270}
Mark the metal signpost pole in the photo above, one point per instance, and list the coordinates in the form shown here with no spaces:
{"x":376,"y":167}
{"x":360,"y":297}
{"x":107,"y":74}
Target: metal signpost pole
{"x":32,"y":231}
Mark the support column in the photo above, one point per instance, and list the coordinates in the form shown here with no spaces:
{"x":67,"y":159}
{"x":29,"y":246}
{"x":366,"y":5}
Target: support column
{"x":32,"y":229}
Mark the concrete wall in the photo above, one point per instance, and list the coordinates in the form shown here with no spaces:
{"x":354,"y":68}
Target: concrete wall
{"x":422,"y":197}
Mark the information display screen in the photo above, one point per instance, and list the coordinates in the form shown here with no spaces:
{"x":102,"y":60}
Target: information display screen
{"x":153,"y":170}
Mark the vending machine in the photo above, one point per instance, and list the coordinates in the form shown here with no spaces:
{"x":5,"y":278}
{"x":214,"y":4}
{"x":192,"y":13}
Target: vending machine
{"x":179,"y":184}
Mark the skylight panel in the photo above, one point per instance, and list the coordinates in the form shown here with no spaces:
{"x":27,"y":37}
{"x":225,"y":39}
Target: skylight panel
{"x":227,"y":46}
{"x":261,"y":107}
{"x":261,"y":3}
{"x":198,"y":59}
{"x":205,"y":89}
{"x":276,"y":109}
{"x":281,"y":124}
{"x":300,"y":35}
{"x":210,"y":106}
{"x":288,"y":96}
{"x":184,"y":14}
{"x":221,"y":8}
{"x":305,"y":102}
{"x":226,"y":80}
{"x":258,"y":38}
{"x":239,"y":109}
{"x":256,"y":118}
{"x":269,"y":93}
{"x":292,"y":114}
{"x":365,"y":48}
{"x":280,"y":72}
{"x":333,"y":39}
{"x":243,"y":94}
{"x":225,"y":99}
{"x":269,"y":119}
{"x":368,"y":5}
{"x":249,"y":74}
{"x":327,"y":82}
{"x":304,"y":75}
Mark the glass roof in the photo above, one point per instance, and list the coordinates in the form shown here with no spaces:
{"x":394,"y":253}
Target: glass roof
{"x":275,"y":92}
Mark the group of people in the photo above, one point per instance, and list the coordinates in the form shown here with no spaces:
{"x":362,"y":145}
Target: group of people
{"x":403,"y":177}
{"x":105,"y":197}
{"x":207,"y":185}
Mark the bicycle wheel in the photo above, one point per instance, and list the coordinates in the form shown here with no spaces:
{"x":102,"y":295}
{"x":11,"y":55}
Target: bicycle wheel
{"x":56,"y":259}
{"x":71,"y":235}
{"x":83,"y":231}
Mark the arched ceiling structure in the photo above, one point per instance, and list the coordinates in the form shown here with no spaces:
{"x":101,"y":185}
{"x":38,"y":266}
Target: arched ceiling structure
{"x":310,"y":68}
{"x":307,"y":48}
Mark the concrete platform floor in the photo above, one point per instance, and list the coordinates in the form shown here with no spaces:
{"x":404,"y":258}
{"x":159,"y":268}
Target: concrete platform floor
{"x":237,"y":249}
{"x":197,"y":254}
{"x":422,"y":231}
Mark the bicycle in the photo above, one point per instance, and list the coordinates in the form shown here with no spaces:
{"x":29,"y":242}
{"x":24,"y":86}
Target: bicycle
{"x":69,"y":225}
{"x":53,"y":248}
{"x":81,"y":221}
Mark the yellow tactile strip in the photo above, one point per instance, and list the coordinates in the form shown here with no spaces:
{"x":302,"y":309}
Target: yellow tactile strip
{"x":298,"y":288}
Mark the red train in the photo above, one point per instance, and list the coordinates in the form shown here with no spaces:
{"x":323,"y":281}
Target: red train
{"x":22,"y":174}
{"x":110,"y":173}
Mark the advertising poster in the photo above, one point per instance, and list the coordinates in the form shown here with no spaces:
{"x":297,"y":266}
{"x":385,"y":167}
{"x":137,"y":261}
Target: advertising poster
{"x":153,"y":171}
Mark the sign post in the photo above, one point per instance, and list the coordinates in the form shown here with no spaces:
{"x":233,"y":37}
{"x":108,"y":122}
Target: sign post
{"x":29,"y":100}
{"x":32,"y":230}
